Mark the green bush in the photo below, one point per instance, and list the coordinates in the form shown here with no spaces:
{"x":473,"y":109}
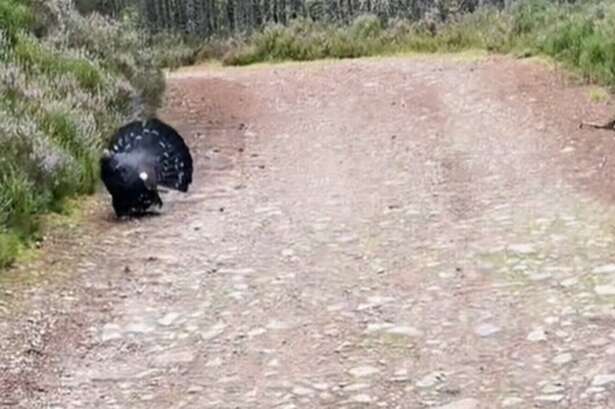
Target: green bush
{"x":63,"y":89}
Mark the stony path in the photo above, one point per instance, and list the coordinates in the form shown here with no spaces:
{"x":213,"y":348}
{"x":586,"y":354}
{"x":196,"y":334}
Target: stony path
{"x":382,"y":233}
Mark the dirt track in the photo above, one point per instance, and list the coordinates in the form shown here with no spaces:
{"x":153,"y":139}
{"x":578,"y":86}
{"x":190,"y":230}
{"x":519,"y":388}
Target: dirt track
{"x":395,"y":233}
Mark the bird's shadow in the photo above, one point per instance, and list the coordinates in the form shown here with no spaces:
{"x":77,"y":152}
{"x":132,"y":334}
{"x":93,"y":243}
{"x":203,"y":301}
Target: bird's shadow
{"x":135,"y":216}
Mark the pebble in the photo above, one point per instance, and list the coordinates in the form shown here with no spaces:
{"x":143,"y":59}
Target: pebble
{"x":552,"y":389}
{"x":288,"y":252}
{"x":302,"y":391}
{"x":357,"y":387}
{"x":537,"y":335}
{"x":279,"y":325}
{"x":363,"y":371}
{"x":321,"y":386}
{"x":139,"y":328}
{"x":361,"y":398}
{"x":549,"y":398}
{"x":406,"y":331}
{"x":168,"y":319}
{"x":569,"y":282}
{"x":522,"y":249}
{"x":605,"y":269}
{"x":214,"y":331}
{"x":379,"y":326}
{"x":214,"y":363}
{"x":599,"y":342}
{"x":605,"y":289}
{"x":256,"y":332}
{"x":110,"y":332}
{"x":430,"y":380}
{"x":374,"y":301}
{"x":486,"y":330}
{"x":562,"y":359}
{"x":174,"y":357}
{"x":461,"y":404}
{"x":539,"y":276}
{"x":512,"y":401}
{"x":601,"y":380}
{"x":195,"y":389}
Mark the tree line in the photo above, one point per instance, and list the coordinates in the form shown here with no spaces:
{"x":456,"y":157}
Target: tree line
{"x":207,"y":18}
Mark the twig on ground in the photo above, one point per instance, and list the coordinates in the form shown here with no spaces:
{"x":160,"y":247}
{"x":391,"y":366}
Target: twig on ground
{"x":609,"y":125}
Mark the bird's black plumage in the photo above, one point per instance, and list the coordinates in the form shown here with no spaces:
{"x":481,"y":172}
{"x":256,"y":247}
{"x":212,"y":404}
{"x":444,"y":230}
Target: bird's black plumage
{"x":142,"y":156}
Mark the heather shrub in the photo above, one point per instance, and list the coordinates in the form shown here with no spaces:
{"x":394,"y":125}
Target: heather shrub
{"x":66,"y":81}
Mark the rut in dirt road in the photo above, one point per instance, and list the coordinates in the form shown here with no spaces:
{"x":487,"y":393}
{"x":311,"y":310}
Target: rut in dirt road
{"x":396,"y":233}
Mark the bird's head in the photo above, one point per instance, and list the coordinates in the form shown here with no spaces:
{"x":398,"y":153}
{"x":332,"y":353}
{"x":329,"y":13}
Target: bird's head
{"x":106,"y":154}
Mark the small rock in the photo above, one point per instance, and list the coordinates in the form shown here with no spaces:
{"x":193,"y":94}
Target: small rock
{"x":539,"y":276}
{"x":401,"y":376}
{"x":274,"y":363}
{"x":549,"y":398}
{"x":562,"y":359}
{"x":522,"y":249}
{"x":168,"y":319}
{"x":486,"y":330}
{"x":379,"y":326}
{"x":374,"y":301}
{"x":139,"y":328}
{"x":195,"y":389}
{"x":321,"y":386}
{"x":361,"y":398}
{"x":605,"y":289}
{"x":363,"y":371}
{"x":461,"y":404}
{"x":599,"y":342}
{"x":537,"y":335}
{"x":302,"y":391}
{"x":601,"y":380}
{"x":275,"y":324}
{"x":214,"y":363}
{"x":214,"y":331}
{"x":405,"y":331}
{"x":357,"y":387}
{"x":605,"y":269}
{"x":430,"y":380}
{"x":569,"y":282}
{"x":511,"y":401}
{"x":552,"y":389}
{"x":256,"y":332}
{"x":110,"y":332}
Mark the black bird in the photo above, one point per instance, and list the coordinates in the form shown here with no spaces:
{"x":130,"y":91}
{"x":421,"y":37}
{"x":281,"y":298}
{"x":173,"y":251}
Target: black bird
{"x":142,"y":156}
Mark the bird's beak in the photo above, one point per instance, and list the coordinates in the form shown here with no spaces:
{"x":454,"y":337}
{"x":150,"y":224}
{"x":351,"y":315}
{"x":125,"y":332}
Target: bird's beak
{"x":106,"y":154}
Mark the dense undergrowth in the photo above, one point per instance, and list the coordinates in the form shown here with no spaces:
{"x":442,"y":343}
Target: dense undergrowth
{"x":580,"y":34}
{"x":66,"y":81}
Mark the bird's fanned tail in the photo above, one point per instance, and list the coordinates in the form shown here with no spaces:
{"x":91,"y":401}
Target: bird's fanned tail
{"x":175,"y":171}
{"x":163,"y":146}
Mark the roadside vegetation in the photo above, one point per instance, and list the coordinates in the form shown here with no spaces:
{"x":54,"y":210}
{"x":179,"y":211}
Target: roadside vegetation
{"x":582,"y":36}
{"x":578,"y":33}
{"x":66,"y":81}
